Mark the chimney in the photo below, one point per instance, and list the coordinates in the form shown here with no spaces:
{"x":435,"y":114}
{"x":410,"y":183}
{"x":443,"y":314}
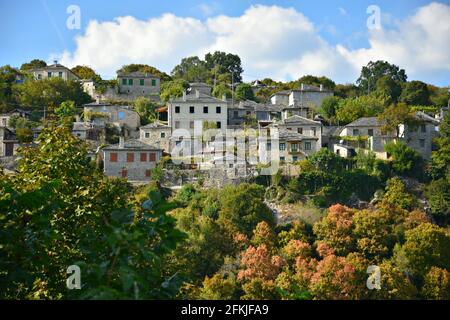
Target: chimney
{"x":121,"y":142}
{"x":321,"y":87}
{"x":184,"y":95}
{"x":197,"y":93}
{"x":302,"y":87}
{"x":224,"y":97}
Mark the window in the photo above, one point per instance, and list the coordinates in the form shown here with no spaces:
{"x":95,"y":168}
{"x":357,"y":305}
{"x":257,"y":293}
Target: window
{"x":307,"y":145}
{"x":422,"y":143}
{"x":235,"y":114}
{"x":218,"y":110}
{"x":355,"y":132}
{"x":162,"y":135}
{"x":248,"y":113}
{"x":177,"y":143}
{"x":130,"y":82}
{"x":147,"y":134}
{"x":113,"y":157}
{"x":152,"y":157}
{"x":269,"y":146}
{"x":177,"y":124}
{"x":60,"y":74}
{"x":314,"y":131}
{"x":191,"y":109}
{"x":282,"y":158}
{"x":289,"y":128}
{"x":191,"y":124}
{"x":141,"y":82}
{"x":370,"y":132}
{"x":300,"y":130}
{"x":120,"y":115}
{"x":130,"y":157}
{"x":124,"y":81}
{"x":423,"y":128}
{"x":143,"y":157}
{"x":219,"y":124}
{"x":294,"y":147}
{"x":177,"y":109}
{"x":282,"y":146}
{"x":148,"y":173}
{"x":49,"y":74}
{"x":205,"y":109}
{"x":294,"y":158}
{"x":124,"y":173}
{"x":39,"y":76}
{"x":153,"y":82}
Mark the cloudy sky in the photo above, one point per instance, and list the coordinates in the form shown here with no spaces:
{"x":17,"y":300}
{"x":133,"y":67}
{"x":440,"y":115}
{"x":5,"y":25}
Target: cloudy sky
{"x":279,"y":39}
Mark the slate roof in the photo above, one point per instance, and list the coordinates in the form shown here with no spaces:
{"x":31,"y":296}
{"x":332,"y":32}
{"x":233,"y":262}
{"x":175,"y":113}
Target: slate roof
{"x":136,"y":74}
{"x":292,"y":135}
{"x":192,"y":97}
{"x":132,"y":144}
{"x":365,"y":122}
{"x":155,"y":125}
{"x":300,"y":119}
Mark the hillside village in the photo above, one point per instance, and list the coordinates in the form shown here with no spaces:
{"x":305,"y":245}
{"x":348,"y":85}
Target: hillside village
{"x":198,"y":185}
{"x":243,"y":134}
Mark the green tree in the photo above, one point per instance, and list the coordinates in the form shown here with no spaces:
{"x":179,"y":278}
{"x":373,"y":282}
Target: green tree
{"x":33,"y":64}
{"x":328,"y":108}
{"x":191,"y":69}
{"x":317,"y":81}
{"x":66,"y":111}
{"x":244,"y":92}
{"x":351,"y":109}
{"x":220,"y":90}
{"x":85,"y":72}
{"x":172,"y":89}
{"x":375,"y":70}
{"x":50,"y":92}
{"x":438,"y":196}
{"x":405,"y":159}
{"x":436,"y":284}
{"x":146,"y":110}
{"x":145,"y":68}
{"x":60,"y":211}
{"x":396,"y":195}
{"x":225,"y":63}
{"x":388,"y":87}
{"x":415,"y":93}
{"x":426,"y":246}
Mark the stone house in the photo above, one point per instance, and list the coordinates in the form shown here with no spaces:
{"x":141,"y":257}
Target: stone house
{"x":5,"y":117}
{"x":8,"y":142}
{"x":138,"y":84}
{"x":131,"y":159}
{"x":303,"y":126}
{"x":290,"y":146}
{"x":123,"y":117}
{"x":88,"y":130}
{"x":301,"y":101}
{"x":157,"y":134}
{"x":195,"y":109}
{"x":241,"y":112}
{"x":420,"y":137}
{"x":55,"y":70}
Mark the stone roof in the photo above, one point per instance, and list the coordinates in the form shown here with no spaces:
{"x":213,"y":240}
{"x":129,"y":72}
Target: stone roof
{"x":192,"y":97}
{"x":299,"y":119}
{"x":269,"y":107}
{"x":155,"y":125}
{"x":132,"y":144}
{"x":425,"y":117}
{"x":365,"y":122}
{"x":136,"y":74}
{"x":292,"y":135}
{"x":84,"y":126}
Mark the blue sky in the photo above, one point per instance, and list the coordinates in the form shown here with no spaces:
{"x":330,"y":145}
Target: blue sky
{"x":37,"y":29}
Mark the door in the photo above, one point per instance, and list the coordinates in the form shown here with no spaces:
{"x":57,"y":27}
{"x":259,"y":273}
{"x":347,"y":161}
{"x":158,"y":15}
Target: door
{"x":9,"y":149}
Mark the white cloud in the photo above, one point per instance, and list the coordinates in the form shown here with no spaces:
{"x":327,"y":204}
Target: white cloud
{"x":275,"y":42}
{"x":342,"y":11}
